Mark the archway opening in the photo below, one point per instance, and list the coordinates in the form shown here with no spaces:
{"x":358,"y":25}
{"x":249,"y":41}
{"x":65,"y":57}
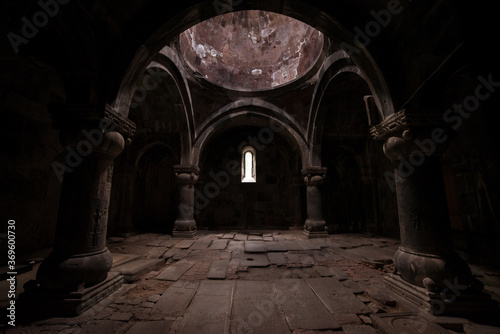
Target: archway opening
{"x":223,"y":201}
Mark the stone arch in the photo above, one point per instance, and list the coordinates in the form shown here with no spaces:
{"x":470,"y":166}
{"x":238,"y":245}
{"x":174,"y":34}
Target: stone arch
{"x":203,"y":10}
{"x":241,"y":113}
{"x":336,"y":69}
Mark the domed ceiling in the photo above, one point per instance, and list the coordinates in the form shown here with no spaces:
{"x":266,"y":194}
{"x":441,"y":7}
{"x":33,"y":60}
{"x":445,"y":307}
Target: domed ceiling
{"x":251,"y":50}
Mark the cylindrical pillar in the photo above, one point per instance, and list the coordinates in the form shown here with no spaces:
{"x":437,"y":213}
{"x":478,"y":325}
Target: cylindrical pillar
{"x":80,"y":256}
{"x":185,"y":225}
{"x":426,"y":257}
{"x":315,"y":225}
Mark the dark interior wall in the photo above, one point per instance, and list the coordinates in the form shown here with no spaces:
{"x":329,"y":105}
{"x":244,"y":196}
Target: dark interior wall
{"x":274,"y":202}
{"x":472,"y":179}
{"x":356,"y":197}
{"x":30,"y":187}
{"x":155,"y":195}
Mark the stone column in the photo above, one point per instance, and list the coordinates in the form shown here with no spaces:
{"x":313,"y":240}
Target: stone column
{"x":428,"y":272}
{"x":426,"y":257}
{"x":80,"y":256}
{"x":185,"y":225}
{"x":315,"y":225}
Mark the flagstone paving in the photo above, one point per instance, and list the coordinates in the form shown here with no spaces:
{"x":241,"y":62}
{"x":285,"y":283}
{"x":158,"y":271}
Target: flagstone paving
{"x":242,"y":282}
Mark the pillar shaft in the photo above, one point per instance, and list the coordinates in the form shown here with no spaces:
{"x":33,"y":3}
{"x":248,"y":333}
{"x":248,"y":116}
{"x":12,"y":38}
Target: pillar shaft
{"x":185,"y":224}
{"x":315,"y":225}
{"x":426,"y":257}
{"x":80,"y":255}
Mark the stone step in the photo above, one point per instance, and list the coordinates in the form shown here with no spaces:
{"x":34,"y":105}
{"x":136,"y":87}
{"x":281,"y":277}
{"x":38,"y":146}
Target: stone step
{"x":119,"y":259}
{"x":133,"y":270}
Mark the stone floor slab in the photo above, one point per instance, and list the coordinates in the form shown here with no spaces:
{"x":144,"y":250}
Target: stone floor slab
{"x":168,"y":243}
{"x":308,"y":245}
{"x":337,"y":298}
{"x":373,"y":253}
{"x":210,"y":309}
{"x":254,"y":260}
{"x":255,"y":310}
{"x":277,"y":258}
{"x":359,"y":329}
{"x":133,"y":270}
{"x":407,"y":322}
{"x":184,"y":244}
{"x":219,"y":244}
{"x":274,"y":246}
{"x":175,"y":300}
{"x":323,"y":271}
{"x":201,"y":244}
{"x":303,"y":309}
{"x":290,"y":245}
{"x":176,"y":270}
{"x":255,"y":247}
{"x":218,"y":269}
{"x":150,"y":327}
{"x":236,"y":246}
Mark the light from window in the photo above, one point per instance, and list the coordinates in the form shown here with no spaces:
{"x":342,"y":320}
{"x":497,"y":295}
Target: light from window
{"x":248,"y":167}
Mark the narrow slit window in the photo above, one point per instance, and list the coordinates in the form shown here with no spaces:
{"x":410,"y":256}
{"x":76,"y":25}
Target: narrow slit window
{"x":248,"y":167}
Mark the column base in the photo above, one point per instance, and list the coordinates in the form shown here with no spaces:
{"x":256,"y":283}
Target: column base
{"x":314,"y":228}
{"x":67,"y":273}
{"x":315,"y":234}
{"x":452,"y":301}
{"x":44,"y":303}
{"x":433,"y":272}
{"x":185,"y":234}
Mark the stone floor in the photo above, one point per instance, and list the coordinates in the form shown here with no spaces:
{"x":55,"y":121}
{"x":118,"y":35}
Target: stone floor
{"x":262,"y":282}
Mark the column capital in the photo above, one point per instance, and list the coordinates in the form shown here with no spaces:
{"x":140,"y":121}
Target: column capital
{"x":187,"y":174}
{"x":421,"y":121}
{"x":432,"y":142}
{"x":91,"y":116}
{"x":314,"y":176}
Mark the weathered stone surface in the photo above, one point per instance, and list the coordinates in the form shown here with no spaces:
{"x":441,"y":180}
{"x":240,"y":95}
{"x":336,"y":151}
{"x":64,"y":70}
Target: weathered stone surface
{"x":255,"y":247}
{"x":133,"y":270}
{"x":336,"y":297}
{"x":201,"y":244}
{"x":210,"y":309}
{"x":358,"y":329}
{"x":175,"y":300}
{"x":324,"y":271}
{"x":218,"y":269}
{"x":184,"y":244}
{"x":176,"y":270}
{"x":254,"y":260}
{"x":277,"y":258}
{"x":219,"y":244}
{"x":301,"y":306}
{"x":153,"y":327}
{"x":405,"y":322}
{"x":255,"y":309}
